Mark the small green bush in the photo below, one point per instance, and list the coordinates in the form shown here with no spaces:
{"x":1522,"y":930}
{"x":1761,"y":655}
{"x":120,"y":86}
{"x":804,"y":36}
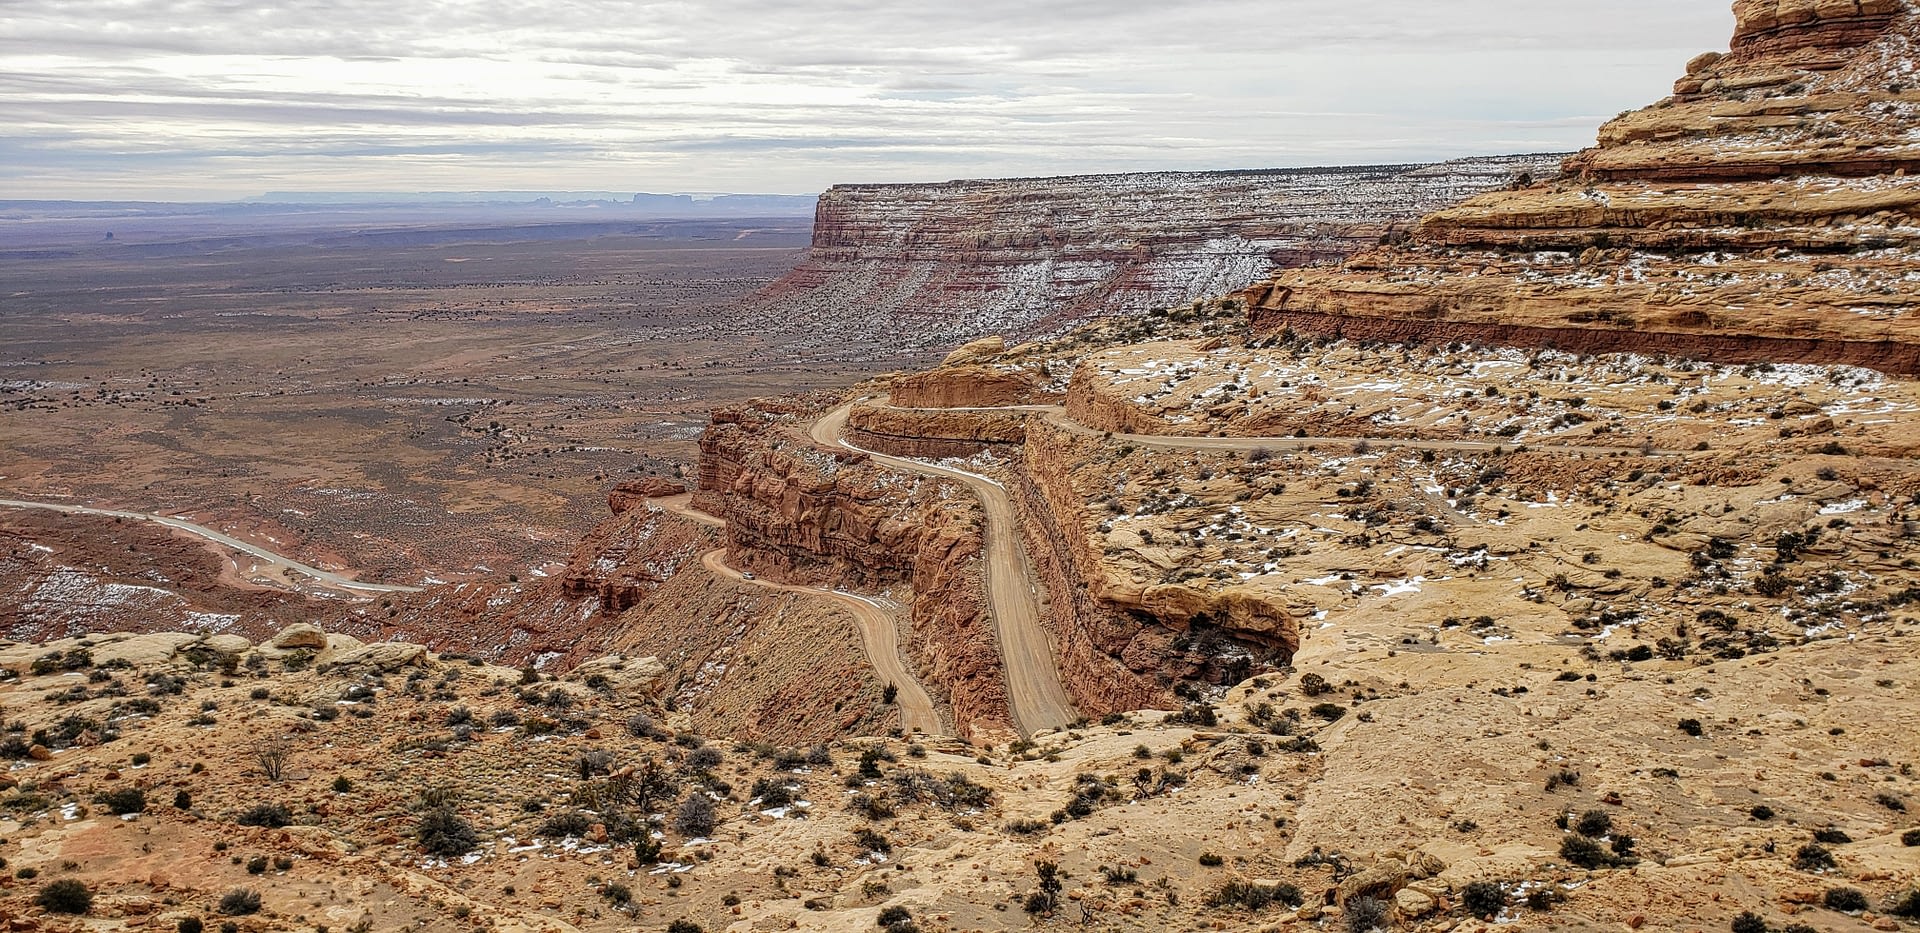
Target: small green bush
{"x":66,"y":896}
{"x":1814,"y":857}
{"x":268,"y":815}
{"x":240,"y":902}
{"x":1845,"y":900}
{"x":1587,"y":853}
{"x":1484,"y":899}
{"x":442,"y":832}
{"x":1749,"y":922}
{"x":124,"y":801}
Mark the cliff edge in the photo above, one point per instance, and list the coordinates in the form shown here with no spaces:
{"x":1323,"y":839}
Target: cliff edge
{"x":1764,"y":212}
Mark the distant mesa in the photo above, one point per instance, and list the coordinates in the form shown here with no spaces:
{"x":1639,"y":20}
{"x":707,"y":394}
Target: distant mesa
{"x":1765,"y":212}
{"x":919,"y":268}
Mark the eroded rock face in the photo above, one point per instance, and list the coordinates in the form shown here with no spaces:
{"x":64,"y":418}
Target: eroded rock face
{"x":806,"y":514}
{"x":920,"y":267}
{"x":1765,"y":212}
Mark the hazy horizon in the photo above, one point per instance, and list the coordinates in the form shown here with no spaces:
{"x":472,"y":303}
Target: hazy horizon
{"x":200,"y":100}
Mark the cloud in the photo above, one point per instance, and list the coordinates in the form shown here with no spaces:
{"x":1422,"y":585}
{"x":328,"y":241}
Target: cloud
{"x":222,"y":98}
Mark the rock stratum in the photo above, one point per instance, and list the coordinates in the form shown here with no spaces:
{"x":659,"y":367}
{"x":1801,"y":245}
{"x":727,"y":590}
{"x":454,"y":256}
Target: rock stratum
{"x":1764,"y":212}
{"x":917,"y":266}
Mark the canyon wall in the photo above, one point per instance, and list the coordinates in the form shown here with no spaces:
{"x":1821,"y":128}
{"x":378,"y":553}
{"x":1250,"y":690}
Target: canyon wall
{"x":802,"y":513}
{"x":1765,"y":212}
{"x":919,"y":267}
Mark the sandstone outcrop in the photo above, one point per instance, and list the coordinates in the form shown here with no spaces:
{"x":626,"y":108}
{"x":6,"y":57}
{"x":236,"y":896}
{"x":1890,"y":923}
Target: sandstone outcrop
{"x":919,"y":267}
{"x":1765,"y":212}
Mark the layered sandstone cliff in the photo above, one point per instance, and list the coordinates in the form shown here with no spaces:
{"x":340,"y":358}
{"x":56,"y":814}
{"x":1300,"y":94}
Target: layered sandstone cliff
{"x":802,"y":513}
{"x":919,"y":266}
{"x":1764,"y":212}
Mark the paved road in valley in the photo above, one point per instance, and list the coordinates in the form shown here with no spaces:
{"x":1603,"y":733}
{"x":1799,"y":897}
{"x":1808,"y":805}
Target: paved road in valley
{"x":286,"y":569}
{"x":879,"y":631}
{"x":1034,"y":691}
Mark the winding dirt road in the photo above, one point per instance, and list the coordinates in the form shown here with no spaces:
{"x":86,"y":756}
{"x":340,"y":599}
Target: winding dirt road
{"x":1034,"y":691}
{"x":879,"y":634}
{"x":285,"y":569}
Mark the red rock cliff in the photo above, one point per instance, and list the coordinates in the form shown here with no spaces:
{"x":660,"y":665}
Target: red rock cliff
{"x":1765,"y":212}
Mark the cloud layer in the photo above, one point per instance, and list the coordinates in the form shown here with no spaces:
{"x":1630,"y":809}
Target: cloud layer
{"x":222,"y":98}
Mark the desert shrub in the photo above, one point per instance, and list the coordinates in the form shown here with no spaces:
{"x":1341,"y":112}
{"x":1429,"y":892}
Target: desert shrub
{"x":684,"y":925}
{"x":268,"y":815}
{"x":442,"y":832}
{"x":1832,"y":835}
{"x":1328,"y":711}
{"x":190,"y":925}
{"x":240,"y":902}
{"x":1814,"y":857}
{"x":1595,"y":823}
{"x":1314,"y":685}
{"x":1910,"y":838}
{"x":871,"y":807}
{"x":124,"y":801}
{"x":257,"y":865}
{"x":1692,"y":727}
{"x":1047,"y":896}
{"x":569,"y":825}
{"x":868,"y":839}
{"x":705,"y":758}
{"x":1845,"y":900}
{"x":66,"y":896}
{"x":695,"y":817}
{"x":1891,"y":802}
{"x":1248,"y":895}
{"x":1484,"y":899}
{"x":1587,"y":853}
{"x":617,"y":893}
{"x":1905,"y":905}
{"x":1211,"y":860}
{"x":1365,"y":913}
{"x":897,"y":919}
{"x":1749,"y":922}
{"x":1761,"y":813}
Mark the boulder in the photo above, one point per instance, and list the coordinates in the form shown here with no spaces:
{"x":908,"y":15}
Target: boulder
{"x":338,"y":645}
{"x":383,"y":656}
{"x":299,"y":635}
{"x":1410,"y":903}
{"x":227,"y":644}
{"x":624,"y":675}
{"x":145,"y":650}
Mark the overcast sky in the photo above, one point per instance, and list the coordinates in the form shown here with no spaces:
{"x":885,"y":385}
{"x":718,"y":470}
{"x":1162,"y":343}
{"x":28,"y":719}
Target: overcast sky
{"x":180,"y":99}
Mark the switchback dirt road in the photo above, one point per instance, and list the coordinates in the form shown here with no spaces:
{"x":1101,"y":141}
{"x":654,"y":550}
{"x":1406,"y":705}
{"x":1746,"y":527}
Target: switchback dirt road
{"x":1034,"y":691}
{"x":879,"y":633}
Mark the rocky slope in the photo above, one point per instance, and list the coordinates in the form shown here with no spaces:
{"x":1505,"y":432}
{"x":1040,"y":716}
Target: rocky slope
{"x":1764,"y":212}
{"x":917,"y":266}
